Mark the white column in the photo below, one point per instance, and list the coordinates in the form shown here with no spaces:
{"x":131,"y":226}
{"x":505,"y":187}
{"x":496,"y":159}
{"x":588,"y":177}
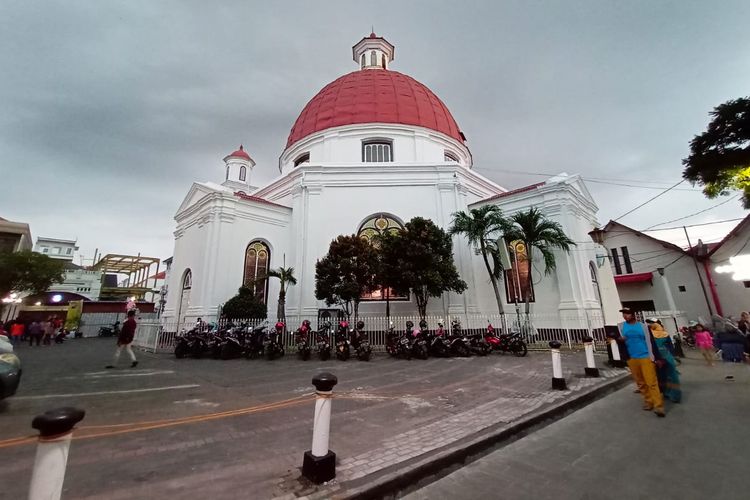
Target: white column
{"x":49,"y":468}
{"x":321,"y":424}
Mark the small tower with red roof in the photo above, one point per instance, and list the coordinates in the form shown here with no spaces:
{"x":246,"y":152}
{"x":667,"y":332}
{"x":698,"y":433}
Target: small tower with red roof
{"x":239,"y":169}
{"x":373,"y":52}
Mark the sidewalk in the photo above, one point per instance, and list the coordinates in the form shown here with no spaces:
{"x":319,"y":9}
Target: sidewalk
{"x":613,"y":450}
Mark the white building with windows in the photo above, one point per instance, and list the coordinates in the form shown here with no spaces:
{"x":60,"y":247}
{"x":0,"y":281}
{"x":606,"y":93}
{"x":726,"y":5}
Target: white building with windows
{"x":56,"y":248}
{"x":371,"y":150}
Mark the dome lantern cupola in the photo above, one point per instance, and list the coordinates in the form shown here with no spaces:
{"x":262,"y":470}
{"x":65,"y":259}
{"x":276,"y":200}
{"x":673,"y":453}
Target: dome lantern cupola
{"x":239,"y":167}
{"x":373,"y":52}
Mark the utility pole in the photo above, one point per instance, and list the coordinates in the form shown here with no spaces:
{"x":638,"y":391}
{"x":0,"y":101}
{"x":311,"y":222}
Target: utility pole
{"x":697,"y":270}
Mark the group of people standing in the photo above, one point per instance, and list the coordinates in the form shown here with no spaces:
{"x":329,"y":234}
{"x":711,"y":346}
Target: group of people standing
{"x":653,"y":357}
{"x":41,"y":332}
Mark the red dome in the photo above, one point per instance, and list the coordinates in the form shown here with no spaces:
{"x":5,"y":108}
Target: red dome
{"x":240,"y":153}
{"x":374,"y":96}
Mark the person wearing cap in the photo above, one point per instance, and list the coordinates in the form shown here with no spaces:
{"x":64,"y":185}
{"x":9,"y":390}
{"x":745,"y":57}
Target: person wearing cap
{"x":643,"y":355}
{"x":704,"y":341}
{"x":669,"y":377}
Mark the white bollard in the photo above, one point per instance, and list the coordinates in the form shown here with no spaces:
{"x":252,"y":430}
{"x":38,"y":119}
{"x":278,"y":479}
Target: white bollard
{"x":319,"y":464}
{"x":617,"y":361}
{"x":558,"y":381}
{"x":591,"y":369}
{"x":55,"y":432}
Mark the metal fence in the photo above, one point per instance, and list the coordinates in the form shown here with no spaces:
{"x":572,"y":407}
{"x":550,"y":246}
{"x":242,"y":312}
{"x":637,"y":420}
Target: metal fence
{"x":90,"y":323}
{"x":569,"y":328}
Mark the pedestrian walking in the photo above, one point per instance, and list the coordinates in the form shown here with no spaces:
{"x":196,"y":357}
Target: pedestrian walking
{"x":703,"y":341}
{"x":35,"y":333}
{"x":16,"y":332}
{"x":48,"y":330}
{"x":643,"y":355}
{"x":669,"y":377}
{"x":124,"y":339}
{"x":732,"y":345}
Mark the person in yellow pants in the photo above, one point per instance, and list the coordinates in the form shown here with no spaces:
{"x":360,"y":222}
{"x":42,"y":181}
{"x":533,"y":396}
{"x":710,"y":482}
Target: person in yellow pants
{"x":637,"y":339}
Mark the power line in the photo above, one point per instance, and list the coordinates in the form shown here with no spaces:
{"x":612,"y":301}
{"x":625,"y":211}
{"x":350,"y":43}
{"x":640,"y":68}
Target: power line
{"x":690,"y":225}
{"x":694,"y":214}
{"x":650,"y":200}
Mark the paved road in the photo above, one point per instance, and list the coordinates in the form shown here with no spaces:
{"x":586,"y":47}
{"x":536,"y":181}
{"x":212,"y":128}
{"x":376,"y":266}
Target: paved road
{"x":254,"y":447}
{"x":614,"y":450}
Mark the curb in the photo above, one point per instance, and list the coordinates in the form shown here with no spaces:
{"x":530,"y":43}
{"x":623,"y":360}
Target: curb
{"x":419,"y":472}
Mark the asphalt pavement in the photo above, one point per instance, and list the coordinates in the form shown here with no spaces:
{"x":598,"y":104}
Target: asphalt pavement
{"x":612,"y":449}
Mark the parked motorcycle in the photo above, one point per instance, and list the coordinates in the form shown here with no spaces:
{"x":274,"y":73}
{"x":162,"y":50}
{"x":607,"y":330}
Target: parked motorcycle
{"x":361,"y":342}
{"x":274,"y":347}
{"x":506,"y":342}
{"x":110,"y":331}
{"x":418,"y":341}
{"x":302,"y":340}
{"x":255,"y":341}
{"x":397,"y":344}
{"x":233,"y":343}
{"x":323,"y":341}
{"x":458,"y":343}
{"x":343,"y":350}
{"x":436,"y":342}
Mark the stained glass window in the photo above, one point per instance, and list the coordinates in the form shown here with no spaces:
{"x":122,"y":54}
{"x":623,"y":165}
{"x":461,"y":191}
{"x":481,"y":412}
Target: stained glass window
{"x":257,"y":258}
{"x":518,"y":281}
{"x":375,"y":225}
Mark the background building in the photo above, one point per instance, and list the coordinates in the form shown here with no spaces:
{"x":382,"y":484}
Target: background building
{"x":56,"y":248}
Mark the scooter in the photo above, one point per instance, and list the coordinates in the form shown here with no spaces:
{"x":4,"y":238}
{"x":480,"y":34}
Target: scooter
{"x":361,"y":342}
{"x":342,"y":341}
{"x":418,"y":341}
{"x":323,"y":341}
{"x":302,"y":340}
{"x":274,"y":349}
{"x":436,"y":342}
{"x":255,"y":341}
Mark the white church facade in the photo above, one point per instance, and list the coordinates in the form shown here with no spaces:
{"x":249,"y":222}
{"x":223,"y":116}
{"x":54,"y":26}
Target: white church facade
{"x":371,"y":150}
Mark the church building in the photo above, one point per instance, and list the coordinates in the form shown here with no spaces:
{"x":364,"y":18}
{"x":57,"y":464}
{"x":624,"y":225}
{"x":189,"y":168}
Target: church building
{"x":368,"y":152}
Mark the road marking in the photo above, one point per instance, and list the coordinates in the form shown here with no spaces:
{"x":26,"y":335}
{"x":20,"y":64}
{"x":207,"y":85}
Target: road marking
{"x":102,"y":393}
{"x":110,"y":374}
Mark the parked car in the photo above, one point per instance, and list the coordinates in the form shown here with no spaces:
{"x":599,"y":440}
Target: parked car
{"x":10,"y":369}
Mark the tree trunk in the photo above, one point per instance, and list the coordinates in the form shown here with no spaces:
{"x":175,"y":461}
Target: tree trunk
{"x":528,"y":277}
{"x":493,"y":279}
{"x":422,"y":303}
{"x":280,"y":313}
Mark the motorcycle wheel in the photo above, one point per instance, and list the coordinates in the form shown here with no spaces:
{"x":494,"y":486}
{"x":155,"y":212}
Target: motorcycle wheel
{"x":364,"y":354}
{"x":520,"y":349}
{"x":270,"y":354}
{"x":180,"y":351}
{"x":197,"y":352}
{"x":216,"y":352}
{"x":391,"y":351}
{"x":422,"y":353}
{"x":325,"y":355}
{"x":463,"y":351}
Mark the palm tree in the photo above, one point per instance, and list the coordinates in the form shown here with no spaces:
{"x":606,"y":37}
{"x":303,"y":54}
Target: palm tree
{"x":482,"y":227}
{"x":538,"y":232}
{"x":286,"y":277}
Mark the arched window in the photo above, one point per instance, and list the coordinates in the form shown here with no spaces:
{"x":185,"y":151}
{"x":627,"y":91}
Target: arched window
{"x":362,"y":61}
{"x":303,"y":158}
{"x":450,"y":156}
{"x":373,"y":58}
{"x":257,"y":259}
{"x":227,"y":173}
{"x":518,"y":283}
{"x":377,"y":151}
{"x":373,"y":226}
{"x":243,"y":173}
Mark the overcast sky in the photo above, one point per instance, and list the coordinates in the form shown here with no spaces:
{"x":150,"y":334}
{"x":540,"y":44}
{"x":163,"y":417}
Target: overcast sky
{"x":110,"y":110}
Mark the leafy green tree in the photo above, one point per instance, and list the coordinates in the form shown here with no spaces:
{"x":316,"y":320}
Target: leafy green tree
{"x":347,"y":272}
{"x":482,"y":227}
{"x":720,"y":157}
{"x":286,"y":277}
{"x":420,"y":259}
{"x":244,"y":305}
{"x":28,"y":271}
{"x":538,"y":233}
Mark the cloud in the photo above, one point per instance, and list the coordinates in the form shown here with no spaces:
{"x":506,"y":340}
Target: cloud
{"x":110,"y":110}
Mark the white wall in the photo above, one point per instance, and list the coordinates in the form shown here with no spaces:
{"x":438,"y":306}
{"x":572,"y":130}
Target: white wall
{"x":647,"y":255}
{"x":82,"y":282}
{"x":734,"y":297}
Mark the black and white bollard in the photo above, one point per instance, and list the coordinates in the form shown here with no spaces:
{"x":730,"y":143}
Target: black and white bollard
{"x":319,"y":464}
{"x":617,"y":361}
{"x":588,"y":346}
{"x":55,"y":432}
{"x":558,"y":381}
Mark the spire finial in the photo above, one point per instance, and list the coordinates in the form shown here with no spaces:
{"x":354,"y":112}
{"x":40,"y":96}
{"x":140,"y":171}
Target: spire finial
{"x":241,"y":148}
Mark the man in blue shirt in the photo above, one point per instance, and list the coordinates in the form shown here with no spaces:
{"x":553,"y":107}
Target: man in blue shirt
{"x":637,"y":339}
